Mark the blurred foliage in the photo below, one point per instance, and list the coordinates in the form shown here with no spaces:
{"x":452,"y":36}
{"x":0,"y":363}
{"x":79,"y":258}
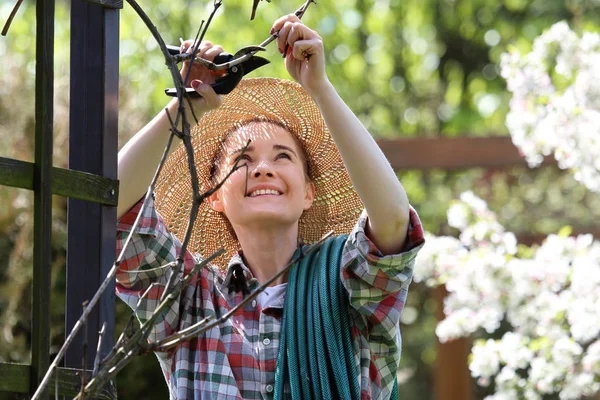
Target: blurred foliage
{"x":406,"y":67}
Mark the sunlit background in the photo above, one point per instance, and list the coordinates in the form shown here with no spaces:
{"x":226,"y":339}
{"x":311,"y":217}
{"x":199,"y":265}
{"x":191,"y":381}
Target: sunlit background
{"x":408,"y":68}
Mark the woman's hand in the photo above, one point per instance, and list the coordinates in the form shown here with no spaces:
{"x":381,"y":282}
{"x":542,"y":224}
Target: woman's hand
{"x":305,"y":57}
{"x":201,"y":77}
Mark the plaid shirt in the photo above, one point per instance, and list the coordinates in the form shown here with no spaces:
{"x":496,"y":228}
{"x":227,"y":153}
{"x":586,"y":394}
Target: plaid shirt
{"x":237,"y":359}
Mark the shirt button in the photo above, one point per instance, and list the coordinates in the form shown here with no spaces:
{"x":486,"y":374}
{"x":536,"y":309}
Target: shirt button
{"x":253,"y":303}
{"x":266,"y":342}
{"x":269,"y":388}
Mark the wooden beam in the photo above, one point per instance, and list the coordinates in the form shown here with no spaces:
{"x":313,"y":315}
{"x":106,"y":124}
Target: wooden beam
{"x":530,"y":239}
{"x":64,"y":182}
{"x":453,"y":153}
{"x":42,"y":203}
{"x":16,"y":378}
{"x":451,"y":373}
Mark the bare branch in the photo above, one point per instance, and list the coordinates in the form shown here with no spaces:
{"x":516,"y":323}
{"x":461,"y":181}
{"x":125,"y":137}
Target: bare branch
{"x":84,"y":355}
{"x":136,"y":344}
{"x":98,"y":356}
{"x":11,"y":17}
{"x":126,"y":347}
{"x":201,"y":327}
{"x":226,"y":65}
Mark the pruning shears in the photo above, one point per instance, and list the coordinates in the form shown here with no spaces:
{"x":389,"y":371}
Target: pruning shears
{"x":230,"y":68}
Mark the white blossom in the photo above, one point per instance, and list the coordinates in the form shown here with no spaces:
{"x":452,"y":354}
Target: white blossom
{"x":486,"y":359}
{"x":544,"y":119}
{"x":551,"y":300}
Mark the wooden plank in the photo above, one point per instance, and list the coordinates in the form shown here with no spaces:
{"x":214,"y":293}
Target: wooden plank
{"x":451,"y":373}
{"x":530,"y":239}
{"x":453,"y":153}
{"x":64,"y":182}
{"x":16,"y":377}
{"x":93,"y":148}
{"x":42,"y":179}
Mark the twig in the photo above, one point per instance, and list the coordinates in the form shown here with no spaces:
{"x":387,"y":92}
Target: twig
{"x":226,"y":65}
{"x":11,"y":17}
{"x":179,"y":86}
{"x":84,"y":355}
{"x":197,"y":199}
{"x":122,"y":355}
{"x":110,"y":276}
{"x":134,"y":345}
{"x":200,"y":327}
{"x":143,"y":271}
{"x":98,"y":356}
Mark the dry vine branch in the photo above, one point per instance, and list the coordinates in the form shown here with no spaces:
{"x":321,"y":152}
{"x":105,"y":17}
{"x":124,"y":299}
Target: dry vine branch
{"x":11,"y":17}
{"x":192,"y":331}
{"x":104,"y":371}
{"x":136,"y":344}
{"x":239,"y":60}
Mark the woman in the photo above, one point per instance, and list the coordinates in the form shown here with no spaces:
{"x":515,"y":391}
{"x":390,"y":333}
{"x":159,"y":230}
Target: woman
{"x":293,"y":188}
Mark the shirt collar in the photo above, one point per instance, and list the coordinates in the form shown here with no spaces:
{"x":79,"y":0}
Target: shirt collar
{"x":238,"y":276}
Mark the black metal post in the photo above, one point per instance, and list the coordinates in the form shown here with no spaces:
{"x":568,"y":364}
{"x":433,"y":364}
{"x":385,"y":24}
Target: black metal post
{"x":92,"y":148}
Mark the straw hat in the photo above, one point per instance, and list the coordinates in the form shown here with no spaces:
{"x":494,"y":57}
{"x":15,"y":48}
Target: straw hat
{"x":336,"y":206}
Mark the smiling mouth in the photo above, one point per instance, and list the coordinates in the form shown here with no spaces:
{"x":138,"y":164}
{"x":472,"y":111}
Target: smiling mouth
{"x":264,"y":192}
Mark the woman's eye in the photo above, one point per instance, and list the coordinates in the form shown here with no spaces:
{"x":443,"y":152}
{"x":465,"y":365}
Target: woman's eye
{"x":245,"y":157}
{"x":284,"y":155}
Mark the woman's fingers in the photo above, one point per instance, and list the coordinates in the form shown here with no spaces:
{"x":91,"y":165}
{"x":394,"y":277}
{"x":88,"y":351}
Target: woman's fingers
{"x":278,"y":24}
{"x":304,"y":49}
{"x":212,"y":52}
{"x":206,"y":50}
{"x":282,"y":36}
{"x":304,"y":41}
{"x":292,"y":32}
{"x":188,"y":45}
{"x":213,"y":100}
{"x":210,"y":98}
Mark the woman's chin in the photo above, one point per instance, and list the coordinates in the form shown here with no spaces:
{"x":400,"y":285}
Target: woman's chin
{"x":268,"y":216}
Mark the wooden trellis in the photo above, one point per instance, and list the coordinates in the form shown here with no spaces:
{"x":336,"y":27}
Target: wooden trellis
{"x":89,"y":183}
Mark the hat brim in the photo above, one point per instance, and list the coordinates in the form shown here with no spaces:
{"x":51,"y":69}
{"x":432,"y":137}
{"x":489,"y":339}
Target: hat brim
{"x":336,"y":205}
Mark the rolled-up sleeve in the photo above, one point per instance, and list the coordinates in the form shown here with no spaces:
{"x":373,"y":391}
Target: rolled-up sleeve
{"x":145,"y":268}
{"x":378,"y":284}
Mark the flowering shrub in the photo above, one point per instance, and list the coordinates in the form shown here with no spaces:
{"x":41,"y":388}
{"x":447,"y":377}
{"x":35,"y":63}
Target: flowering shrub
{"x":549,"y":296}
{"x":555,"y":106}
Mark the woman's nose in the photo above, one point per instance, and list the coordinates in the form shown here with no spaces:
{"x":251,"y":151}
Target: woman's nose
{"x":262,"y":169}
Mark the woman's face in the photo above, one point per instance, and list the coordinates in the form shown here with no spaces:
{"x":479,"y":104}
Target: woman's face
{"x":277,"y":190}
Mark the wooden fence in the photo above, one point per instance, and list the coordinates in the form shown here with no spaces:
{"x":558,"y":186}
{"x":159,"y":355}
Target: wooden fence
{"x":90,"y":183}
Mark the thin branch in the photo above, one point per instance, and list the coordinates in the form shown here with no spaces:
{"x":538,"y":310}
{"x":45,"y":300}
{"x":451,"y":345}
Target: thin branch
{"x":84,"y":355}
{"x":197,"y":199}
{"x":11,"y":17}
{"x":143,"y":271}
{"x":98,"y":356}
{"x":200,"y":327}
{"x":186,"y":138}
{"x":111,"y":274}
{"x":134,"y":346}
{"x":226,"y":65}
